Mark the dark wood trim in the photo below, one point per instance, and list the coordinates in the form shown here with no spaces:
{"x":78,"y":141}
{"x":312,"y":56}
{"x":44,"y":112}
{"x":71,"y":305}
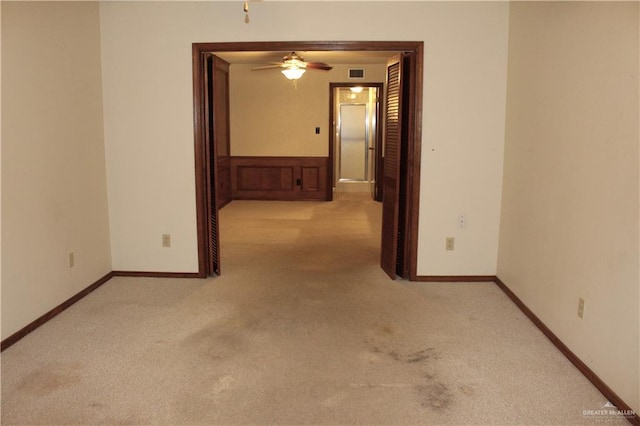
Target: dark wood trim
{"x":52,"y":313}
{"x":197,"y":57}
{"x":413,"y":181}
{"x":331,"y":161}
{"x":413,"y":168}
{"x":584,"y":369}
{"x":156,"y":274}
{"x":284,"y":46}
{"x":252,"y":178}
{"x":454,"y":278}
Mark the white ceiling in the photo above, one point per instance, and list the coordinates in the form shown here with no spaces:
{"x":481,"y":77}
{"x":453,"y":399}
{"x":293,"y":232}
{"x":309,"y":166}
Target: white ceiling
{"x":328,"y":57}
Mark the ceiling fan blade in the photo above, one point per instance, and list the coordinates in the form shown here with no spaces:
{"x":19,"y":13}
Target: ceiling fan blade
{"x":267,"y":67}
{"x":319,"y":66}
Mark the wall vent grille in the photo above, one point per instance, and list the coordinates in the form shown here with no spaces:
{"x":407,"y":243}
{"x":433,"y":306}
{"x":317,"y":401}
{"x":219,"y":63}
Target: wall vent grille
{"x":357,"y":73}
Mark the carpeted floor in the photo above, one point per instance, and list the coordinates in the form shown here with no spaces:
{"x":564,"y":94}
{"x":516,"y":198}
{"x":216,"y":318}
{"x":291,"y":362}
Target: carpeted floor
{"x":301,"y":328}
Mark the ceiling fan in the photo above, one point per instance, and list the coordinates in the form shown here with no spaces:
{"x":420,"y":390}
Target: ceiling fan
{"x":293,"y":66}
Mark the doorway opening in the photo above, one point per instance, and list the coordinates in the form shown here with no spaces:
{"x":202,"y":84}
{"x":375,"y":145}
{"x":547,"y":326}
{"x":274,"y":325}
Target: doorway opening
{"x":402,"y":160}
{"x":356,"y":137}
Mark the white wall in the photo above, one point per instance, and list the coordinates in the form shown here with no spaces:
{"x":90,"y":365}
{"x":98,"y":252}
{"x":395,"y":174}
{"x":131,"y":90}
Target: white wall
{"x":570,"y":218}
{"x":272,"y":117}
{"x":147,"y":77}
{"x":54,"y":197}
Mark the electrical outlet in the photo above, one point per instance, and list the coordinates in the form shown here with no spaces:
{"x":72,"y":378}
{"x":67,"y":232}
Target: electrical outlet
{"x":462,"y":221}
{"x":581,"y":308}
{"x":166,"y":240}
{"x":450,"y":243}
{"x":72,"y":260}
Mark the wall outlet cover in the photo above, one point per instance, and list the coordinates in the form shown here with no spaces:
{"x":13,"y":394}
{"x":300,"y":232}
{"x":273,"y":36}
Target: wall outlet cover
{"x":450,"y":243}
{"x":581,"y":308}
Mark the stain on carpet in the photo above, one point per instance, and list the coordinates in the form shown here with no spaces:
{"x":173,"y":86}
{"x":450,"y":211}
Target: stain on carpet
{"x":430,"y":392}
{"x":386,"y":330}
{"x":434,"y":395}
{"x":414,"y":357}
{"x":217,"y":347}
{"x":382,"y":335}
{"x":221,"y":340}
{"x":422,"y":355}
{"x":49,"y":379}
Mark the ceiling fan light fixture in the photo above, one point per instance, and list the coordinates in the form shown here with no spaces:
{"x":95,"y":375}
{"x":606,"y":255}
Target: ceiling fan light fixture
{"x":293,"y":73}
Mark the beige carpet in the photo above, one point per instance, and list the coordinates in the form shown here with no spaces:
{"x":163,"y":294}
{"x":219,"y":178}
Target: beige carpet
{"x":302,"y":328}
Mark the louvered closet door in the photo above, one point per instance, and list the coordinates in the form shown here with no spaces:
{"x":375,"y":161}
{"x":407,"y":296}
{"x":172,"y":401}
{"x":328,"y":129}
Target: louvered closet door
{"x":392,"y":162}
{"x":211,"y":152}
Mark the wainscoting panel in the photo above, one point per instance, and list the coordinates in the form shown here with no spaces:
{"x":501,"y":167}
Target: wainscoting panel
{"x":311,"y":179}
{"x":279,"y":178}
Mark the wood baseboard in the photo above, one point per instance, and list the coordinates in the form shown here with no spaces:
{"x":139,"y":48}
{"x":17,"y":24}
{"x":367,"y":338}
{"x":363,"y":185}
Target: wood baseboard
{"x":584,"y":369}
{"x":156,"y":274}
{"x":52,"y":313}
{"x":455,"y":278}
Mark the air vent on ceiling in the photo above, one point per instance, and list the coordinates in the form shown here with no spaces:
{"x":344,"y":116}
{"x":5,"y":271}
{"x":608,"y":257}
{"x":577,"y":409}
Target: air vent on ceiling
{"x":356,"y":73}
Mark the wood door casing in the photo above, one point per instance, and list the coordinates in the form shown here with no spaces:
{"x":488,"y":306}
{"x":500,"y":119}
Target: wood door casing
{"x":213,"y":236}
{"x":199,"y":54}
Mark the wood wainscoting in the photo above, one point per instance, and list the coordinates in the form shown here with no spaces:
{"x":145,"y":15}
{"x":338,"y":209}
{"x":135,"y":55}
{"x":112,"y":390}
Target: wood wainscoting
{"x":280,"y":178}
